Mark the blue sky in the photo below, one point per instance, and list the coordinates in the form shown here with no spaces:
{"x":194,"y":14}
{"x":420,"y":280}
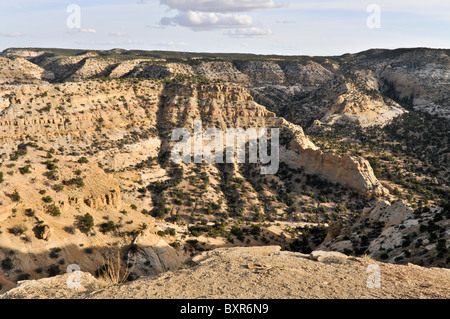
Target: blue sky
{"x":320,"y":27}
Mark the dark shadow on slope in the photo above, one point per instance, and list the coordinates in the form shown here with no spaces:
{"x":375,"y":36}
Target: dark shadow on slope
{"x":17,"y":265}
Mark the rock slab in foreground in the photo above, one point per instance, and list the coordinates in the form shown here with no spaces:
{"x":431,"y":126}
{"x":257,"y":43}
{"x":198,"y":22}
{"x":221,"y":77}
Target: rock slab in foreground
{"x":259,"y":273}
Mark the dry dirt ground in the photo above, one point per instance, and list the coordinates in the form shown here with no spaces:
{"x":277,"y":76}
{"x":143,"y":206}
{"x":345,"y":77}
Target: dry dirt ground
{"x":259,"y":273}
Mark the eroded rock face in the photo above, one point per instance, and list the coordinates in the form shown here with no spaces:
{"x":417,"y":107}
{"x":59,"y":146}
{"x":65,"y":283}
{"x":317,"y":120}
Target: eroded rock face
{"x":153,"y":256}
{"x":354,"y":172}
{"x":225,"y":71}
{"x":222,"y":102}
{"x":421,"y":77}
{"x":262,"y":72}
{"x":310,"y":74}
{"x":22,"y":71}
{"x":356,"y":99}
{"x":334,"y":230}
{"x":228,"y":105}
{"x":70,"y":109}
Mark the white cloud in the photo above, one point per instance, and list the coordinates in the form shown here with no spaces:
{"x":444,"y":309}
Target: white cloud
{"x":118,"y":34}
{"x":223,"y":6}
{"x":172,"y":44}
{"x":159,"y":26}
{"x":109,"y":43}
{"x":207,"y":15}
{"x":200,"y":21}
{"x":11,"y":34}
{"x":432,"y":8}
{"x":88,"y":30}
{"x":252,"y":32}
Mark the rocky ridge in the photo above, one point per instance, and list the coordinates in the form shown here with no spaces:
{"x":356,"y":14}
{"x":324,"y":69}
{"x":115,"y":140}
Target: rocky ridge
{"x":258,"y":273}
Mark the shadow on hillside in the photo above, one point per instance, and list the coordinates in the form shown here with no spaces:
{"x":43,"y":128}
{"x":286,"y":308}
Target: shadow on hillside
{"x":17,"y":265}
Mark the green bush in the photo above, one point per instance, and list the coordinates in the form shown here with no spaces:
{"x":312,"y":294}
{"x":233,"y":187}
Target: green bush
{"x":7,"y":264}
{"x":47,"y":199}
{"x":77,"y":181}
{"x":87,"y":222}
{"x":107,"y":227}
{"x":25,"y":170}
{"x":53,"y":271}
{"x":15,"y":197}
{"x":54,"y":210}
{"x":83,"y":160}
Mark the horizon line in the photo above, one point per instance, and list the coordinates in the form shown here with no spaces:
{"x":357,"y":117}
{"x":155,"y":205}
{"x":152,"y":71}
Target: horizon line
{"x":231,"y":53}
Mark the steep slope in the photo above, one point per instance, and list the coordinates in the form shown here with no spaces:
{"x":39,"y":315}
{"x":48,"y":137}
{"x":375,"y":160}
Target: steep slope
{"x":420,"y":77}
{"x":19,"y":70}
{"x":395,"y":233}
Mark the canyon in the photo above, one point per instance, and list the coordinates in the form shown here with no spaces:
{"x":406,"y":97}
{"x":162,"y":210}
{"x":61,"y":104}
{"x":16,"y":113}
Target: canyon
{"x":86,"y":171}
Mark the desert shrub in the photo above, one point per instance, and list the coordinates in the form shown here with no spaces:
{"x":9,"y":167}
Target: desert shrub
{"x":29,"y":212}
{"x":54,"y":252}
{"x":87,"y":222}
{"x":441,"y":245}
{"x":54,"y":210}
{"x":255,"y":230}
{"x":15,"y":197}
{"x":69,"y":230}
{"x":175,"y":244}
{"x":53,"y":270}
{"x":23,"y":277}
{"x":52,"y":175}
{"x":58,"y":187}
{"x":112,"y":271}
{"x":25,"y":170}
{"x":76,"y":181}
{"x":17,"y":230}
{"x":47,"y":199}
{"x":7,"y":264}
{"x":238,"y":232}
{"x":340,"y":208}
{"x":108,"y":226}
{"x":83,"y":160}
{"x":51,"y":166}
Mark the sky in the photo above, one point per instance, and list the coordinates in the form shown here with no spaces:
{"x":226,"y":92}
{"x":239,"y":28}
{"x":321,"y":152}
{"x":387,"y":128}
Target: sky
{"x":284,"y":27}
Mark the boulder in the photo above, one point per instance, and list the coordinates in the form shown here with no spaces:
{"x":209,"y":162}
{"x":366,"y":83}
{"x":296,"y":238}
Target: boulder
{"x":44,"y":232}
{"x":328,"y":256}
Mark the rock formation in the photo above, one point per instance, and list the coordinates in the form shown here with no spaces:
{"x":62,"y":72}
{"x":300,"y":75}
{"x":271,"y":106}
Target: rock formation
{"x":85,"y":167}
